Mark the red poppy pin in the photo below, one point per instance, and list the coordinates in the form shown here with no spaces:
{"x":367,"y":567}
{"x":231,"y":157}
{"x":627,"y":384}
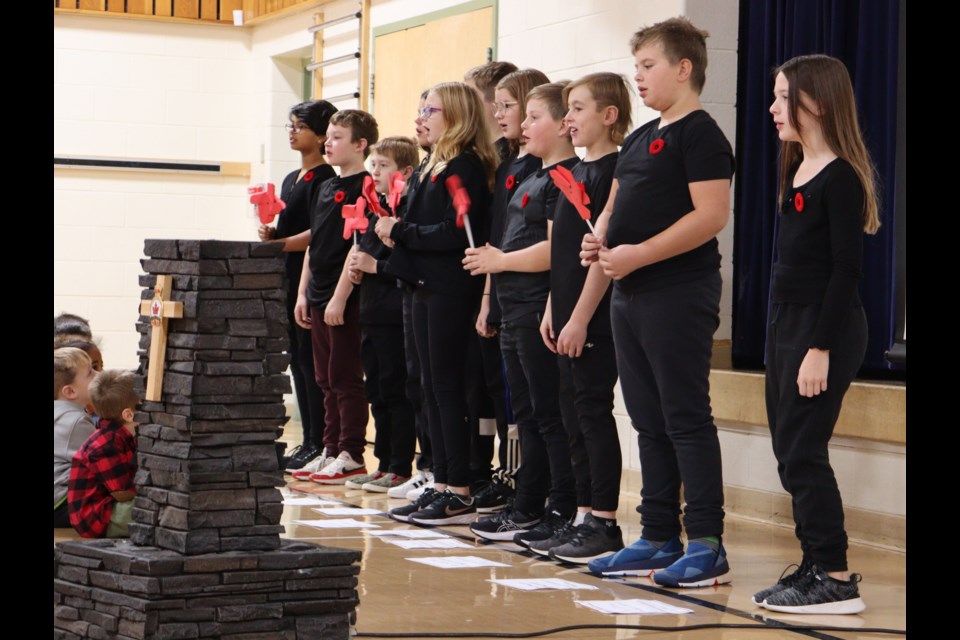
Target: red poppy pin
{"x":433,"y":178}
{"x":510,"y":182}
{"x":308,"y":176}
{"x":524,"y":200}
{"x":656,"y":146}
{"x":339,"y":196}
{"x":798,"y":202}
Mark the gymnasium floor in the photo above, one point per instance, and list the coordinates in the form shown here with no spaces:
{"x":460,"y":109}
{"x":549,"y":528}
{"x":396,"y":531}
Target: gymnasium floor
{"x":402,"y":596}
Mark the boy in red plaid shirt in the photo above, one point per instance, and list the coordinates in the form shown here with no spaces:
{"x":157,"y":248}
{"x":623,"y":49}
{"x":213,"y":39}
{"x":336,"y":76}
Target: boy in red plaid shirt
{"x":101,"y":491}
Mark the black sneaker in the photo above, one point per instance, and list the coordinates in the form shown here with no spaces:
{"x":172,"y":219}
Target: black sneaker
{"x":403,"y":513}
{"x":449,"y":508}
{"x":494,"y":497}
{"x":550,"y":526}
{"x":503,"y":525}
{"x":542,"y":547}
{"x":591,"y":539}
{"x":301,"y":456}
{"x":819,"y":594}
{"x":785,"y":582}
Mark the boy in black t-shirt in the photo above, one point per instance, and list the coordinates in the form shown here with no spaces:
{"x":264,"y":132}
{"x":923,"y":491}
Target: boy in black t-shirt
{"x":577,"y":323}
{"x":657,"y":238}
{"x":327,"y":306}
{"x":381,"y":323}
{"x":523,"y":285}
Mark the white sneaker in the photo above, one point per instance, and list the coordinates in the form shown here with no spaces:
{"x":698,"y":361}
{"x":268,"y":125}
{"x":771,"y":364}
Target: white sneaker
{"x":415,"y":494}
{"x":339,"y":471}
{"x":313,"y":466}
{"x":419,"y":479}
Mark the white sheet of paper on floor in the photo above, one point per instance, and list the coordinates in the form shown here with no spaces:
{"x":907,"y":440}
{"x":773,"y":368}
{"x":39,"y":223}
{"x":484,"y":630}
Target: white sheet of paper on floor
{"x":436,"y":543}
{"x":310,"y":501}
{"x":542,"y":583}
{"x":459,"y":562}
{"x":634,"y":606}
{"x":338,"y":523}
{"x":348,"y":511}
{"x":416,"y":534}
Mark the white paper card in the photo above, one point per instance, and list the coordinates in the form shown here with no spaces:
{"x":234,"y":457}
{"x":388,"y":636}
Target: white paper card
{"x":348,"y":511}
{"x":338,"y":523}
{"x":542,"y":583}
{"x":309,"y":501}
{"x":632,"y":606}
{"x":437,"y":543}
{"x":417,"y":534}
{"x":459,"y":562}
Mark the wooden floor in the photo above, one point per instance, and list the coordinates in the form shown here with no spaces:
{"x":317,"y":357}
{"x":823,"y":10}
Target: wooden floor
{"x":399,"y":595}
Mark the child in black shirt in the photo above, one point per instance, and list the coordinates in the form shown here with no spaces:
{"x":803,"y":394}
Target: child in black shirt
{"x":326,"y":303}
{"x":381,"y":322}
{"x":817,"y":333}
{"x":523,"y":285}
{"x":657,"y":238}
{"x":429,"y":243}
{"x":307,"y":131}
{"x":577,"y":324}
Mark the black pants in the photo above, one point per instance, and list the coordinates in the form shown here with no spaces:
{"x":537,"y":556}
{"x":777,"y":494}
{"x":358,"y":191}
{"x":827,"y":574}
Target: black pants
{"x":534,"y":380}
{"x":385,"y":373}
{"x":442,"y":326}
{"x":309,"y":394}
{"x":486,"y":401}
{"x":414,"y":384}
{"x":61,"y":516}
{"x":800,"y":428}
{"x":664,"y":339}
{"x":586,"y":403}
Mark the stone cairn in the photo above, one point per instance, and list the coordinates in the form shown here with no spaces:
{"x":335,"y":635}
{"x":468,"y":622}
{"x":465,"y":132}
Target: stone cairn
{"x":205,"y":559}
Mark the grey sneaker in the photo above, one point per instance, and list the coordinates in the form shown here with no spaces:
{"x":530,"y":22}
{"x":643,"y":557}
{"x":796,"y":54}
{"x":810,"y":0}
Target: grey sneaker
{"x":591,"y":539}
{"x":785,"y":582}
{"x":817,"y":593}
{"x":384,"y":483}
{"x":503,"y":525}
{"x":542,"y":547}
{"x":357,"y":482}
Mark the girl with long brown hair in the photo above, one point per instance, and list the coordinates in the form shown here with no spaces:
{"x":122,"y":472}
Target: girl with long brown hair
{"x":817,"y":332}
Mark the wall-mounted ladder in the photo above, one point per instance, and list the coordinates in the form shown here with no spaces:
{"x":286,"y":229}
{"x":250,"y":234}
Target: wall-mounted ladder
{"x":361,"y":56}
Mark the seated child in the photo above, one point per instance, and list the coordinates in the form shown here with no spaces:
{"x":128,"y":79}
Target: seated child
{"x":72,"y":373}
{"x":101,"y":490}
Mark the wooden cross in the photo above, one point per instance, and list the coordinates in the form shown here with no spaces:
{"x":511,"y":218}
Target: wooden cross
{"x":160,"y":309}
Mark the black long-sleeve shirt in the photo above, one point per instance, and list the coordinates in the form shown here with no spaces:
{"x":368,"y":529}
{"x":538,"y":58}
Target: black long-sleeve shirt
{"x":820,"y":247}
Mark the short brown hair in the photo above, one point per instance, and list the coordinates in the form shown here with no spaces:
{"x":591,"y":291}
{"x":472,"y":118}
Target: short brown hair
{"x":551,"y":94}
{"x":518,"y":85}
{"x":402,"y":150}
{"x":113,"y":391}
{"x":66,"y":365}
{"x":361,"y":125}
{"x":680,"y":40}
{"x":486,"y":76}
{"x":608,"y":90}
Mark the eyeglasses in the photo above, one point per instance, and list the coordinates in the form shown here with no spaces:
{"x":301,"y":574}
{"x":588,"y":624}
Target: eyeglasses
{"x":426,"y":112}
{"x":503,"y":107}
{"x":295,"y":128}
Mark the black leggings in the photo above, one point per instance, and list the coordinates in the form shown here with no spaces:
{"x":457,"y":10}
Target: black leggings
{"x":800,"y":428}
{"x":442,"y":326}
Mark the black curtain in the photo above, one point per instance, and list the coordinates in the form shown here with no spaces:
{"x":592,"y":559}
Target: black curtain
{"x":864,"y":35}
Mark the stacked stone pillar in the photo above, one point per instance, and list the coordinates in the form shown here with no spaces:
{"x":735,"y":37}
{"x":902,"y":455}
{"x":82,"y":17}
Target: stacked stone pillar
{"x":205,"y":558}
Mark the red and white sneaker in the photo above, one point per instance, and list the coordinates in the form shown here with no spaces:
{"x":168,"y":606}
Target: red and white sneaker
{"x":339,"y":471}
{"x":313,"y":466}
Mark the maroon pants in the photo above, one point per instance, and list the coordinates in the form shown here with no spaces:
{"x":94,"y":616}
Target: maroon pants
{"x":339,"y":372}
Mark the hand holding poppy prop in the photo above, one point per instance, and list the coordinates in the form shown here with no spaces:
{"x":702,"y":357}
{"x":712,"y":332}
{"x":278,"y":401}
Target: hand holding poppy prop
{"x":264,"y":199}
{"x":575,"y":192}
